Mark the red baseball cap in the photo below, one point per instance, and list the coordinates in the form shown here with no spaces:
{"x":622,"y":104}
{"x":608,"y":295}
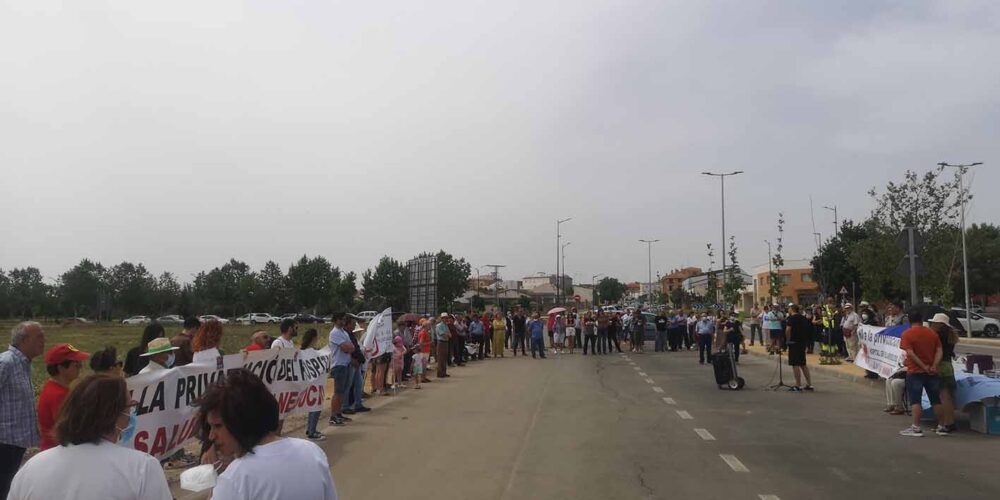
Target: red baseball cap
{"x":64,"y":352}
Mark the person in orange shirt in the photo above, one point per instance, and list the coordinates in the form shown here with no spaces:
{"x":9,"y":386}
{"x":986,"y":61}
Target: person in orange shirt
{"x":63,"y":362}
{"x":923,"y":354}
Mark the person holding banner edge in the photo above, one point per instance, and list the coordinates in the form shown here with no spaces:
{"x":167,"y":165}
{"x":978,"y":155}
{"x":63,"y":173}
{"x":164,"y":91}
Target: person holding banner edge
{"x":341,"y":348}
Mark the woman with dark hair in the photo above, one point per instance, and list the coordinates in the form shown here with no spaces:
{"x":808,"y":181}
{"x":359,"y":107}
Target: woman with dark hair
{"x":238,"y":417}
{"x":308,"y":342}
{"x":88,"y":463}
{"x":106,"y":361}
{"x":134,"y":360}
{"x":208,"y":336}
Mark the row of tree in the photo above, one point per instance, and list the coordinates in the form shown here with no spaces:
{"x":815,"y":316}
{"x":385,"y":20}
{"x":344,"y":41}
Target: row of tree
{"x":871,"y":254}
{"x":311,"y":284}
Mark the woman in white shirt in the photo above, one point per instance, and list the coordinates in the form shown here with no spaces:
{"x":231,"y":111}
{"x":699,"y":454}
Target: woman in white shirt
{"x":88,"y":463}
{"x":239,"y":419}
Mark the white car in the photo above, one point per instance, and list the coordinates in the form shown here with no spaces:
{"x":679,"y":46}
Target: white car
{"x":980,"y":324}
{"x":137,"y":320}
{"x":256,"y":319}
{"x":366,"y":316}
{"x":212,"y":317}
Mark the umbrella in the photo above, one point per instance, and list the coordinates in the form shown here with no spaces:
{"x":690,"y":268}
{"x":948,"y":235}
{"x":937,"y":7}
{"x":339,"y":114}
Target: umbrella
{"x":414,"y":317}
{"x":557,"y":310}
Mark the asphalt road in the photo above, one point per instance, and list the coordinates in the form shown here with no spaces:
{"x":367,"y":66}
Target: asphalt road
{"x":646,"y":426}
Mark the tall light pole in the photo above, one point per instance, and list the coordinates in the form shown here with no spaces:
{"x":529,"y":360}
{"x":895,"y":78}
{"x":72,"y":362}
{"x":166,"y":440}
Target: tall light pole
{"x":558,"y":249}
{"x":562,"y":250}
{"x":496,"y":282}
{"x":965,"y":258}
{"x":836,"y":222}
{"x":722,"y":178}
{"x":649,"y":264}
{"x":593,"y":289}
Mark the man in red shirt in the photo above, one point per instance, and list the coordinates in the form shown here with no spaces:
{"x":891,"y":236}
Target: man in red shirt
{"x":63,"y":362}
{"x":259,"y":340}
{"x":923,"y":353}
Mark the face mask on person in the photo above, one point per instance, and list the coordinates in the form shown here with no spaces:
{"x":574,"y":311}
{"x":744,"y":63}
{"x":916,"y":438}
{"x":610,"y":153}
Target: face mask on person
{"x":125,"y":435}
{"x":170,"y":360}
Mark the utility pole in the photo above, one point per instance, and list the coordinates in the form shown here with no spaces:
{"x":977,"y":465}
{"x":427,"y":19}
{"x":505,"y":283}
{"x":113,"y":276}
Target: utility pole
{"x":563,"y":273}
{"x":912,"y":257}
{"x":649,"y":264}
{"x":965,"y":259}
{"x":722,"y":177}
{"x":593,"y":288}
{"x":496,"y":282}
{"x":836,"y":222}
{"x":558,"y":248}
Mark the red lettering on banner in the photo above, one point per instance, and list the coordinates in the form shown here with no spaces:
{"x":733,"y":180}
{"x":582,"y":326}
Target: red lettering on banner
{"x":159,"y":442}
{"x":140,"y":443}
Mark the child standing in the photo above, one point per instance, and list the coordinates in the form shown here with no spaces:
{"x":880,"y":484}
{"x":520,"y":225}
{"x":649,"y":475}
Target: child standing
{"x":397,"y":362}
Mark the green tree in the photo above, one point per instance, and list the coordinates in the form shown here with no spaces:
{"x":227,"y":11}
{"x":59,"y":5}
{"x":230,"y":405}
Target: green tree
{"x":732,"y":291}
{"x":132,"y":288}
{"x":342,"y":291}
{"x":477,"y":303}
{"x":524,"y":301}
{"x":453,"y":277}
{"x":167,"y":293}
{"x":711,"y":278}
{"x":273,"y":289}
{"x":5,"y":295}
{"x":983,"y":244}
{"x":832,"y":264}
{"x":387,"y":285}
{"x":224,"y":290}
{"x":309,"y":281}
{"x":80,"y":289}
{"x":611,"y":290}
{"x":29,"y":294}
{"x":677,"y":297}
{"x":777,"y":262}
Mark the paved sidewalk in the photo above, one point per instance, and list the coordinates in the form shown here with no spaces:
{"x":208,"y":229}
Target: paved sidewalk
{"x":845,"y":370}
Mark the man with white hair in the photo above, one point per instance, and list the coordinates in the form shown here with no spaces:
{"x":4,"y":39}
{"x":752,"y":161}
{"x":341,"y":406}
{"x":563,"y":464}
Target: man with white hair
{"x":850,"y":329}
{"x":18,"y":417}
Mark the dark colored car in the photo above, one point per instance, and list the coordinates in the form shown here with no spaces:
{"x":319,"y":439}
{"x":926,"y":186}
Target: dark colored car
{"x":307,"y":318}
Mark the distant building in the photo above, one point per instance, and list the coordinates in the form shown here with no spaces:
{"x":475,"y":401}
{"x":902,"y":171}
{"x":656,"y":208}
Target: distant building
{"x":676,"y":279}
{"x":698,"y":284}
{"x":531,"y":282}
{"x":798,"y":285}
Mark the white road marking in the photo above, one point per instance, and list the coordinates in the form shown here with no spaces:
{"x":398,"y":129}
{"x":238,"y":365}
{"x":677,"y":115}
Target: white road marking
{"x":734,"y":463}
{"x":768,"y":497}
{"x":841,"y":474}
{"x":657,"y":389}
{"x":704,"y":434}
{"x":669,"y":401}
{"x":643,"y":374}
{"x":636,"y":368}
{"x":649,"y":381}
{"x":684,"y":415}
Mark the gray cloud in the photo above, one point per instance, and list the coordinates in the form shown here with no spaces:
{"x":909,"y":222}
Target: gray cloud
{"x":186,"y":133}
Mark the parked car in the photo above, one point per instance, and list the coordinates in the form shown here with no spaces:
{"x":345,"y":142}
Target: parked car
{"x":256,"y":319}
{"x":137,"y":320}
{"x":212,"y":317}
{"x":980,"y":324}
{"x":302,"y":318}
{"x":75,"y":321}
{"x":366,"y":316}
{"x":170,"y":319}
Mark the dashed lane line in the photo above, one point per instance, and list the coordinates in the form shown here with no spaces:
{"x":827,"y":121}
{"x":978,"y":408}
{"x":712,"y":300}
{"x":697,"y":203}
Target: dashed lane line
{"x":764,"y":496}
{"x":669,"y":401}
{"x":649,"y":381}
{"x":658,"y":389}
{"x":636,"y":368}
{"x":734,"y":463}
{"x":704,"y":434}
{"x":643,"y":374}
{"x":684,"y":415}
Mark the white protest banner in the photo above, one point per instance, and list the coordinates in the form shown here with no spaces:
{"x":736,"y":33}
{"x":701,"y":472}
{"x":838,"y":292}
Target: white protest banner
{"x":879,"y":349}
{"x":166,"y":413}
{"x":378,"y":337}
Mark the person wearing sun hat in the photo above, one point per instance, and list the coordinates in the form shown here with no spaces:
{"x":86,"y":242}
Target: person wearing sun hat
{"x":160,"y":353}
{"x":941,"y":324}
{"x":63,"y":362}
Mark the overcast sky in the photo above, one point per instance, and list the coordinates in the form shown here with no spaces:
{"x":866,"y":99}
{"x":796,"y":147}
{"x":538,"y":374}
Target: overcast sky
{"x":180,"y":134}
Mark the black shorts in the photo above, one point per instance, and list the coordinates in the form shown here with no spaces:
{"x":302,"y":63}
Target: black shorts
{"x":797,"y":354}
{"x":383,"y":359}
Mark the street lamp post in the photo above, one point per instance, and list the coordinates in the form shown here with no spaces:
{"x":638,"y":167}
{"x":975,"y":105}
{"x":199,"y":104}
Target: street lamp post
{"x":965,"y":259}
{"x":563,"y":273}
{"x":649,"y":264}
{"x":496,"y":282}
{"x":593,"y":288}
{"x":836,"y":222}
{"x":558,"y":248}
{"x":722,"y":178}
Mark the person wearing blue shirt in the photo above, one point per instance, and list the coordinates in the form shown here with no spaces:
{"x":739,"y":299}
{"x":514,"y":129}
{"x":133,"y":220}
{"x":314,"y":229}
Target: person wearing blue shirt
{"x":537,"y":330}
{"x":705,"y":328}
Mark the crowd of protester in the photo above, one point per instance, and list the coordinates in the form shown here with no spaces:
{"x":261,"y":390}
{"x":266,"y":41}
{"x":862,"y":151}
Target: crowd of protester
{"x":89,"y":418}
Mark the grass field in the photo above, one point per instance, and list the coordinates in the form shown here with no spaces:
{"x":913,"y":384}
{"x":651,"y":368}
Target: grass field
{"x":94,"y":337}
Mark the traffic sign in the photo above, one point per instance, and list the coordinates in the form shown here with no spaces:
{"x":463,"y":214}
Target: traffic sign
{"x":843,"y":290}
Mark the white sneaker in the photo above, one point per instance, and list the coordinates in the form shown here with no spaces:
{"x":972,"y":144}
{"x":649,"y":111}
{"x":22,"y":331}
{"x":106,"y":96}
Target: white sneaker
{"x":912,"y":431}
